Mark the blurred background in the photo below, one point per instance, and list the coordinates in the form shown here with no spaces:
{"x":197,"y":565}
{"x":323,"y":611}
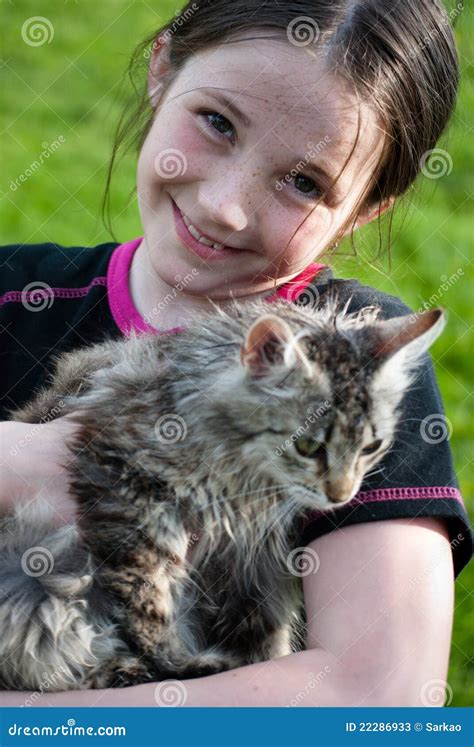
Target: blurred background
{"x":62,"y":98}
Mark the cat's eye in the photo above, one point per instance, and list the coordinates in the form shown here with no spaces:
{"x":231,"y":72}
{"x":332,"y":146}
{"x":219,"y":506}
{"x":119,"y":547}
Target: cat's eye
{"x":372,"y":448}
{"x":308,"y":446}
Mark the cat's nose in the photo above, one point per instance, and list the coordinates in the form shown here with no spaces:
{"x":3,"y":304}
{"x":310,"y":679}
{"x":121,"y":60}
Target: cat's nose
{"x":339,"y":490}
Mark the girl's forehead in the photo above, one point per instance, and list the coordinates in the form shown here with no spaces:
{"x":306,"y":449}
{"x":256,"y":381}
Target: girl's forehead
{"x":272,"y":75}
{"x":288,"y":95}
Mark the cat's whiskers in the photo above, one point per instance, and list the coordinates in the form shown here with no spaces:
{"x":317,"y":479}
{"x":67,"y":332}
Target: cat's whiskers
{"x":286,"y":509}
{"x":245,"y":522}
{"x":261,"y":494}
{"x":402,"y":442}
{"x":377,"y":470}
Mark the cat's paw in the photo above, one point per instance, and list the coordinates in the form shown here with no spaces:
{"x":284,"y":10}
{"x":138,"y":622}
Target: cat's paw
{"x":126,"y":672}
{"x":209,"y":662}
{"x":181,"y":665}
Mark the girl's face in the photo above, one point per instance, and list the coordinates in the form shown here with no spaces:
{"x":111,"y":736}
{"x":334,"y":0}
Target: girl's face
{"x":248,"y":180}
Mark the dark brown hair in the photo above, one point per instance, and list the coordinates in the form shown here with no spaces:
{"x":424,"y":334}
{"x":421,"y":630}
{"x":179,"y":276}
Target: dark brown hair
{"x":399,"y":57}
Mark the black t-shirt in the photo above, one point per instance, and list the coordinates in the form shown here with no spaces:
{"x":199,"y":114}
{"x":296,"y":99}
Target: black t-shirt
{"x":55,"y":299}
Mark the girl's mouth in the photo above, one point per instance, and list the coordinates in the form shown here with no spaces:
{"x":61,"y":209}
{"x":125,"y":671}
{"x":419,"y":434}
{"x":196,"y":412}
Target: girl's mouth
{"x":203,"y":251}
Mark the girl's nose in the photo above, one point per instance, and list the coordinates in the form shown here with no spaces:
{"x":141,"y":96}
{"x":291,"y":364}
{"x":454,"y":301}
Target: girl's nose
{"x":230,"y":199}
{"x":223,"y":209}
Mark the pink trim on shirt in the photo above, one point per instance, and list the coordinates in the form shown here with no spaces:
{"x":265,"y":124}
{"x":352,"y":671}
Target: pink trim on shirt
{"x":45,"y":291}
{"x":396,"y":494}
{"x":291,"y":290}
{"x":123,"y":309}
{"x":126,"y":314}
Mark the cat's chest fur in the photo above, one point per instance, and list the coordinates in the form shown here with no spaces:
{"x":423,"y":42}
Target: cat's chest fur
{"x":195,"y":541}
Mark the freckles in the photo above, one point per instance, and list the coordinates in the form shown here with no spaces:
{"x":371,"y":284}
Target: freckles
{"x":286,"y":257}
{"x":188,"y":140}
{"x":173,"y":157}
{"x":174,"y":132}
{"x":306,"y":243}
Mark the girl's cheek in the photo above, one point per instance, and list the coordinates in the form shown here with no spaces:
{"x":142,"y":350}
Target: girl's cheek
{"x":308,"y":242}
{"x":178,"y":151}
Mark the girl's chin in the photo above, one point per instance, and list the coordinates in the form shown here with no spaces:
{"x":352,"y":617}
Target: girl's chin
{"x":195,"y":281}
{"x":199,"y":277}
{"x":177,"y":263}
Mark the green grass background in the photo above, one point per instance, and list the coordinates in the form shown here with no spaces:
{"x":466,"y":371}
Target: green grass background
{"x":71,"y":87}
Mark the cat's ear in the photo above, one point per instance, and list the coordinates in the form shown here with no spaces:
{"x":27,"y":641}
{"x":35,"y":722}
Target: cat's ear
{"x":270,"y":342}
{"x":413,"y":333}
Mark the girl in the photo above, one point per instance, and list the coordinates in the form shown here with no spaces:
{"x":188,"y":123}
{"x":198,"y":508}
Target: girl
{"x":266,"y":133}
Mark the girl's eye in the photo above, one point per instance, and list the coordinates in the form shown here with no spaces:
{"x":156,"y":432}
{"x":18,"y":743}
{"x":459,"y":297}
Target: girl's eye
{"x":218,"y":121}
{"x":372,"y":448}
{"x":306,"y":187}
{"x":303,"y":184}
{"x":309,"y":447}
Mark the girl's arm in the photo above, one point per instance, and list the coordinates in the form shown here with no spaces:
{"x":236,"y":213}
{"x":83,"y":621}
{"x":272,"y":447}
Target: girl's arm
{"x":270,"y":683}
{"x":382,"y":602}
{"x":31,"y":458}
{"x":379,"y":611}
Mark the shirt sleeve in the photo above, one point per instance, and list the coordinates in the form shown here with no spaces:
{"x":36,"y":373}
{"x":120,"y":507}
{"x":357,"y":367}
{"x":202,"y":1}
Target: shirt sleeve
{"x":416,"y":477}
{"x":52,"y":299}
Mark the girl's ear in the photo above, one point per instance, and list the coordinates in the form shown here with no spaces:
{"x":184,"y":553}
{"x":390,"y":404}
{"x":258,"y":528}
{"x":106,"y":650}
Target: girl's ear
{"x":158,"y":69}
{"x":370,"y":213}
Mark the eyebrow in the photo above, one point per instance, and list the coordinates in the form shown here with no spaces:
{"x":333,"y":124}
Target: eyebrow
{"x":234,"y":109}
{"x":229,"y":104}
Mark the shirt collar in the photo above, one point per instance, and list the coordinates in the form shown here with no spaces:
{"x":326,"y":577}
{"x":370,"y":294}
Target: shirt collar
{"x":127,"y":316}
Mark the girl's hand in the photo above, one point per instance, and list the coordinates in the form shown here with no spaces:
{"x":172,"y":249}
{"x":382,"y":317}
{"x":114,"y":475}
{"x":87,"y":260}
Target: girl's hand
{"x":31,"y":460}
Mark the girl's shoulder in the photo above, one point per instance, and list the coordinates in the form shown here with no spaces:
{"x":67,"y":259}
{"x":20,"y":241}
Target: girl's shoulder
{"x":53,"y":298}
{"x":52,"y":264}
{"x":416,"y":477}
{"x":354,"y":294}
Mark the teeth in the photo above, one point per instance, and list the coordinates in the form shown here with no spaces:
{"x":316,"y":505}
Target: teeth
{"x":193,"y":231}
{"x":205,"y":241}
{"x":198,"y":237}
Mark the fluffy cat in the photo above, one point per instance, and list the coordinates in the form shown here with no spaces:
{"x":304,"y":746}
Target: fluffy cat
{"x":234,"y":428}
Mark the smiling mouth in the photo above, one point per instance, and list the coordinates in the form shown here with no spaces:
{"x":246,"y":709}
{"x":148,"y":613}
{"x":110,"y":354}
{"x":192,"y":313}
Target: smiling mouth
{"x":203,"y":238}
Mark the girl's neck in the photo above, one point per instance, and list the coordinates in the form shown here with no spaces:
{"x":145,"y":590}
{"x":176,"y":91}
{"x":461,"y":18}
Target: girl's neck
{"x":163,"y":306}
